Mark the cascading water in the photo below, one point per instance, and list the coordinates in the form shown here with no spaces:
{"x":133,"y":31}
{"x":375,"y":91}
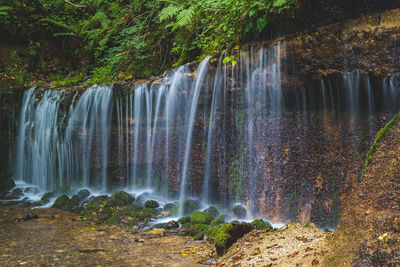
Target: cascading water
{"x":280,"y":150}
{"x":49,"y":156}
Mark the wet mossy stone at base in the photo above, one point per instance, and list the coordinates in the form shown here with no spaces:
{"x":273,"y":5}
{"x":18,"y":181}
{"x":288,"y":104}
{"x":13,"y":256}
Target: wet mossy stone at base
{"x":199,"y":236}
{"x":169,"y":206}
{"x":169,"y":225}
{"x":201,"y":217}
{"x":46,"y":197}
{"x":218,"y":220}
{"x":228,"y":234}
{"x":259,"y":224}
{"x":61,"y":202}
{"x":119,"y":199}
{"x":101,"y":198}
{"x":213,"y":211}
{"x":190,"y":206}
{"x":185,"y":220}
{"x":239,"y":211}
{"x":235,"y":222}
{"x":83,"y":194}
{"x":72,"y":203}
{"x":151,"y":204}
{"x":6,"y":184}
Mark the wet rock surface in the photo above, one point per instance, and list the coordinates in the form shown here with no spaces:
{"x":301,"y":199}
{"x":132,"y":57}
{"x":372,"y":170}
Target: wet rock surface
{"x":58,"y":238}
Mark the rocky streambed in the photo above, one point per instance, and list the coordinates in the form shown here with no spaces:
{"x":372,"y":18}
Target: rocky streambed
{"x":60,"y":238}
{"x":54,"y":237}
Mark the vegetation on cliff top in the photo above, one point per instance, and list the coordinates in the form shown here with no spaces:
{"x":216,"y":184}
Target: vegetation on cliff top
{"x":96,"y":41}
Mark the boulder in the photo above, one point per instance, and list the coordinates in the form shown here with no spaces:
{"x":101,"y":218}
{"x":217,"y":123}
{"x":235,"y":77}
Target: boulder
{"x":151,"y":204}
{"x":228,"y":234}
{"x":239,"y":211}
{"x":201,"y":217}
{"x":190,"y":206}
{"x":259,"y":224}
{"x":169,"y":206}
{"x":46,"y":197}
{"x":83,"y":194}
{"x":120,"y":199}
{"x":213,"y":211}
{"x":185,"y":220}
{"x":61,"y":202}
{"x":219,"y":220}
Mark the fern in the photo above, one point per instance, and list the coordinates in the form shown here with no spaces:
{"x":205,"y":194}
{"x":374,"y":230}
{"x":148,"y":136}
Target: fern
{"x":4,"y":9}
{"x":169,"y":12}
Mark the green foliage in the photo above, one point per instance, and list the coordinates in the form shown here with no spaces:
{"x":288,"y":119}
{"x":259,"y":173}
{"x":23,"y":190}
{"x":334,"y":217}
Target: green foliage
{"x":135,"y":38}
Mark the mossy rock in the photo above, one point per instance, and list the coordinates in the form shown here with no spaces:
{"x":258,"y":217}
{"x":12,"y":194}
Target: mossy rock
{"x":228,"y":234}
{"x":201,"y":217}
{"x":192,"y":230}
{"x":114,"y":219}
{"x":199,"y":236}
{"x":72,"y":203}
{"x":105,"y":213}
{"x":185,"y":220}
{"x":239,"y":211}
{"x":212,"y":231}
{"x":259,"y":224}
{"x":213,"y":211}
{"x":200,"y":227}
{"x":83,"y":194}
{"x":151,"y":204}
{"x":147,"y":213}
{"x":46,"y":197}
{"x":218,"y":220}
{"x":169,"y":206}
{"x":168,"y":225}
{"x":119,"y":199}
{"x":61,"y":202}
{"x":190,"y":206}
{"x":235,"y":222}
{"x":101,"y":199}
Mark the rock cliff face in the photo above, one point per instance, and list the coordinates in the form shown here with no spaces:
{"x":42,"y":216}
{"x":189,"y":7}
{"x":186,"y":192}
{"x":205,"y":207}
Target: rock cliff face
{"x":370,"y":44}
{"x":368,"y":231}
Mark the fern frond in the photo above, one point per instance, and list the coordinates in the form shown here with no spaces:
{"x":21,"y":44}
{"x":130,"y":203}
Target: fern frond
{"x":58,"y":23}
{"x":169,"y":12}
{"x":64,"y":34}
{"x":184,"y":18}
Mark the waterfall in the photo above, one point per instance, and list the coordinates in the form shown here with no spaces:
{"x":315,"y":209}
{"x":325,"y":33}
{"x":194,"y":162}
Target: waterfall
{"x":194,"y":99}
{"x":234,"y":131}
{"x":51,"y":158}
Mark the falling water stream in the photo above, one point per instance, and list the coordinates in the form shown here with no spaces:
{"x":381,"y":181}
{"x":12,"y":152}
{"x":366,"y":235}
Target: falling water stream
{"x":255,"y":143}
